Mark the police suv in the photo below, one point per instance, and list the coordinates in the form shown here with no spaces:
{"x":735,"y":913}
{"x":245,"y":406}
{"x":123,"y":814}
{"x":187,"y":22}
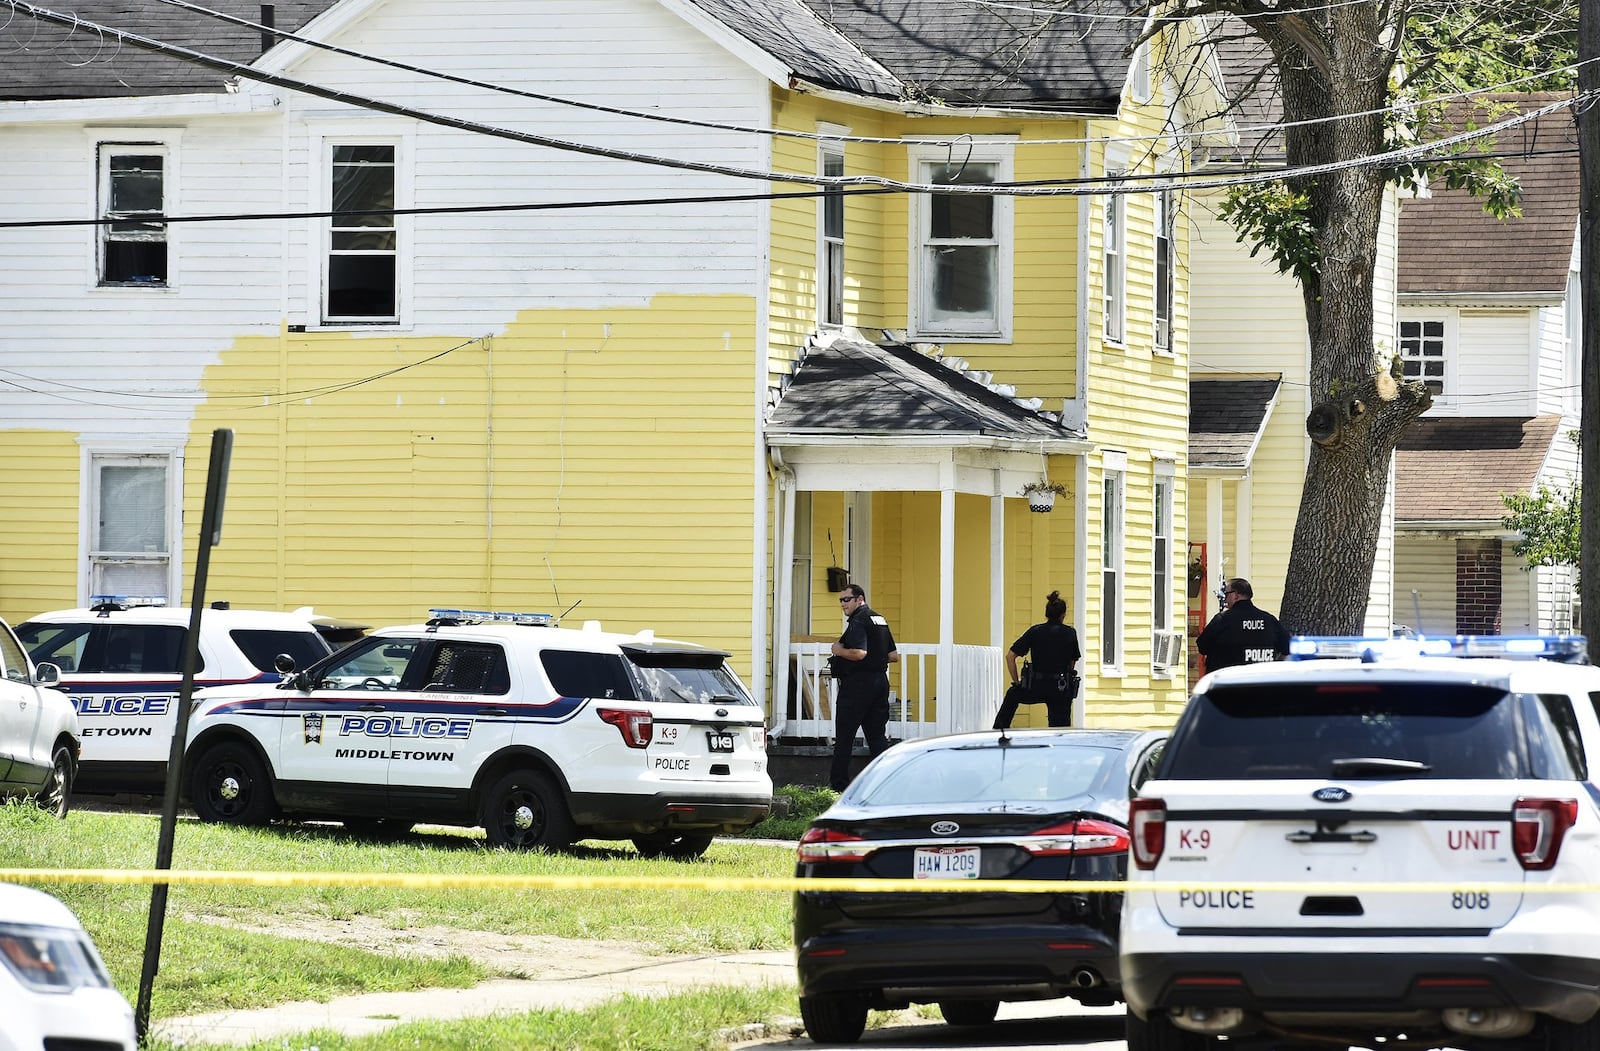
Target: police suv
{"x":121,"y":662}
{"x":1375,"y":842}
{"x":540,"y":734}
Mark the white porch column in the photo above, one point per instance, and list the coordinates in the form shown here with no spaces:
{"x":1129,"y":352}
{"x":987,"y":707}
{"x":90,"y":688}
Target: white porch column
{"x":945,"y":680}
{"x":997,"y":568}
{"x":1214,"y":575}
{"x":1241,"y":528}
{"x":782,"y":600}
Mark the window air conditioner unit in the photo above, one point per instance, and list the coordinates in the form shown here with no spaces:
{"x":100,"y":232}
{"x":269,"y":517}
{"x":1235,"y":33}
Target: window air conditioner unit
{"x":1166,"y":649}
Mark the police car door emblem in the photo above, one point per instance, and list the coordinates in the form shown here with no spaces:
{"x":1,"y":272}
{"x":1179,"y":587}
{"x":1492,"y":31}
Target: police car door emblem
{"x":944,"y":828}
{"x":1331,"y":794}
{"x":312,"y":723}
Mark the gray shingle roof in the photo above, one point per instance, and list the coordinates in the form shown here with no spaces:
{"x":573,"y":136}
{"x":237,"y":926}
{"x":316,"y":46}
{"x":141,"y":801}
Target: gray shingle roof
{"x":1454,"y":469}
{"x":1519,"y":255}
{"x":45,"y":61}
{"x":1226,"y":418}
{"x":848,"y":385}
{"x":954,"y":51}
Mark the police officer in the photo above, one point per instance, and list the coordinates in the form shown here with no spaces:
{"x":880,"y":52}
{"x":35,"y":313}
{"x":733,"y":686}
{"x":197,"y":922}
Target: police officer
{"x":862,"y":658}
{"x":1240,"y":633}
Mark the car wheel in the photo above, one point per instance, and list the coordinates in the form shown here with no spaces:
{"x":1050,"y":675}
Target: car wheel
{"x":524,"y":811}
{"x":54,"y":797}
{"x":835,"y":1019}
{"x":969,"y":1012}
{"x":1573,"y":1036}
{"x":382,"y":829}
{"x":1159,"y":1034}
{"x":230,"y":785}
{"x":669,"y":845}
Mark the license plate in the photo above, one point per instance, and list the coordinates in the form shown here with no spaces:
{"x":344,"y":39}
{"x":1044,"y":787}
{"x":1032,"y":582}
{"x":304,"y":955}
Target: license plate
{"x":719,"y":741}
{"x":945,"y":863}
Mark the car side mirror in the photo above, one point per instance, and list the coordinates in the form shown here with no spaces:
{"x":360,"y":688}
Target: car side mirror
{"x":283,"y":663}
{"x":46,"y":674}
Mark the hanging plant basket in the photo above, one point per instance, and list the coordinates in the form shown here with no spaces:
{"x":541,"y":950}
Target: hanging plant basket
{"x":1042,"y":495}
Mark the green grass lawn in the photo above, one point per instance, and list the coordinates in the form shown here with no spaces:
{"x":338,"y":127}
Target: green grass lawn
{"x":207,"y":966}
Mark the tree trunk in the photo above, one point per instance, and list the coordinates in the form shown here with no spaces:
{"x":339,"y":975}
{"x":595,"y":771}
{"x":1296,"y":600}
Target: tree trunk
{"x":1331,"y":65}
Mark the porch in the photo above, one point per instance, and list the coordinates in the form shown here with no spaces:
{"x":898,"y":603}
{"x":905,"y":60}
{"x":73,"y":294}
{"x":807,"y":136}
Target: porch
{"x":977,"y":678}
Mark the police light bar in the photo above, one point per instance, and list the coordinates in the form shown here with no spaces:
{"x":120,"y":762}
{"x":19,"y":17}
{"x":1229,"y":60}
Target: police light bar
{"x":485,"y":616}
{"x":1568,"y":648}
{"x":127,"y":601}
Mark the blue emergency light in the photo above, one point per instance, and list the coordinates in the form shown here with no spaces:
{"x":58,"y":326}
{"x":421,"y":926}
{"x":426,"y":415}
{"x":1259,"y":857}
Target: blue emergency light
{"x":1571,"y":649}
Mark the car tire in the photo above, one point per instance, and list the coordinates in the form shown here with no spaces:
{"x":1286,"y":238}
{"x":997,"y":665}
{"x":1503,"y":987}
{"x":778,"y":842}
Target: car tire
{"x":969,"y":1012}
{"x":1573,"y":1036}
{"x":524,"y":811}
{"x":678,"y":846}
{"x":1159,"y":1034}
{"x":56,"y":795}
{"x":231,"y":786}
{"x":379,"y":829}
{"x":834,"y":1019}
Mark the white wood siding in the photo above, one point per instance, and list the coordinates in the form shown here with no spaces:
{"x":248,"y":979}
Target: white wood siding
{"x":1494,"y":363}
{"x":1427,"y":566}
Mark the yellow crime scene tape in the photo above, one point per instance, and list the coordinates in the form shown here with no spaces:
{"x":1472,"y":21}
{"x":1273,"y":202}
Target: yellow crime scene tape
{"x":468,"y":881}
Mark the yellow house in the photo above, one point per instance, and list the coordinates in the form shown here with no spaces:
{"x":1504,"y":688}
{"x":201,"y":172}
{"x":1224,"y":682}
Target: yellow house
{"x":671,"y":341}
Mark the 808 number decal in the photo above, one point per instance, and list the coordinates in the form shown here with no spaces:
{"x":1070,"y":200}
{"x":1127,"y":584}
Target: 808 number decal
{"x":1469,"y":899}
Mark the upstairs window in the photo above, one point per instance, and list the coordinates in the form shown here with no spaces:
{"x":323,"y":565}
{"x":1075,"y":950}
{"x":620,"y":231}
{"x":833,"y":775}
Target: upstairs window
{"x":1166,"y":268}
{"x":1422,"y":352}
{"x":133,"y":197}
{"x":830,"y":263}
{"x":963,"y":247}
{"x":1114,"y":246}
{"x":1112,"y":505}
{"x":363,"y":242}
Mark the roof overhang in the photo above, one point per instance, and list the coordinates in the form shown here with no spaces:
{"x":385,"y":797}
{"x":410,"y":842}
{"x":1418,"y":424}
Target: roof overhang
{"x":1483,"y":299}
{"x":112,"y":111}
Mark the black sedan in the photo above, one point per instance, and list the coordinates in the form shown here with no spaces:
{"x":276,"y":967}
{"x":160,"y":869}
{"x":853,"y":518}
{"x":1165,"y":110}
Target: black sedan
{"x":993,"y":806}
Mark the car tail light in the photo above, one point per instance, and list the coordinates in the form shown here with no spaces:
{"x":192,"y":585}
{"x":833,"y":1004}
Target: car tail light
{"x":1078,"y":836}
{"x":1147,"y":828}
{"x":821,"y":846}
{"x":637,"y":728}
{"x":1537,"y":828}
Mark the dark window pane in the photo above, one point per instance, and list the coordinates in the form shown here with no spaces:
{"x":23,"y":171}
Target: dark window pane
{"x":963,"y":281}
{"x":260,"y":646}
{"x":574,"y":674}
{"x":361,"y":286}
{"x":144,"y":649}
{"x":136,"y":184}
{"x":141,"y":262}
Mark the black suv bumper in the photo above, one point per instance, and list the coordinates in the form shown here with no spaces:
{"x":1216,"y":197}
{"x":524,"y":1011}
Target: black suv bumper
{"x":1563,"y":987}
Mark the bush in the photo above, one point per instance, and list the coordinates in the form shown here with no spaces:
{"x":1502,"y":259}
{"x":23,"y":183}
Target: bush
{"x":793,"y":807}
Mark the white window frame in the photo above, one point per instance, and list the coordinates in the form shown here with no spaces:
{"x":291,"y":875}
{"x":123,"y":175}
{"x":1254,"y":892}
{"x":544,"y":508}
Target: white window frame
{"x":324,"y":138}
{"x":923,"y":160}
{"x":1166,"y":202}
{"x":1114,"y":265}
{"x":134,"y":452}
{"x":1139,"y":87}
{"x":830,"y":245}
{"x":1572,"y":361}
{"x":1113,"y":590}
{"x":1445,"y":339}
{"x":1162,"y":530}
{"x":106,"y":143}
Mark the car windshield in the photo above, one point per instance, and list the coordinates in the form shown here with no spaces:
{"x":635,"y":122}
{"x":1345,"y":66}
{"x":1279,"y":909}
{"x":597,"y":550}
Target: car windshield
{"x":991,"y":773}
{"x":373,"y":663}
{"x":1383,"y":730}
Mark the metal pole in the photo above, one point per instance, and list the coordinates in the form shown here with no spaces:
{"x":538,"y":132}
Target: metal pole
{"x":1589,"y":297}
{"x":210,"y":534}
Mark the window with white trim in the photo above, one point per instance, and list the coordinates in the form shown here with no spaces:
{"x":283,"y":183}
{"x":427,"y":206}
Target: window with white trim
{"x":1139,"y":74}
{"x":1111,"y":561}
{"x":1161,"y":549}
{"x":131,"y":520}
{"x":1166,"y":267}
{"x":1113,"y":240}
{"x":133,"y":182}
{"x":1422,"y":352}
{"x":962,"y":245}
{"x":830,"y":238}
{"x":361,"y":275}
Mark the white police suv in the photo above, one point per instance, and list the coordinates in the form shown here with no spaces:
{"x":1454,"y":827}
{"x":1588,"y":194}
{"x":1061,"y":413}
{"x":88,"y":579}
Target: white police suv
{"x":1398,"y":844}
{"x":540,"y":734}
{"x":121,"y":662}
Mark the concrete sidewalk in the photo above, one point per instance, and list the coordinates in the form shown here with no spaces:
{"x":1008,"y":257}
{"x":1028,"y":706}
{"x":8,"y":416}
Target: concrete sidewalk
{"x":603,"y":976}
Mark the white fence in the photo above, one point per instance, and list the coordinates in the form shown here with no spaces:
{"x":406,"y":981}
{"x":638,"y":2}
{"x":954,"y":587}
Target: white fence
{"x":977,"y":679}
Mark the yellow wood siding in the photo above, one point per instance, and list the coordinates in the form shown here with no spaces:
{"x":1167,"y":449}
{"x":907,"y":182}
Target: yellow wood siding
{"x":36,"y":575}
{"x":598,"y":457}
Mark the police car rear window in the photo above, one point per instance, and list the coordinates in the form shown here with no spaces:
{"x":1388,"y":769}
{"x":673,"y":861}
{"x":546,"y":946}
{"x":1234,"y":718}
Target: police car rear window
{"x":260,"y":646}
{"x":576,"y":673}
{"x":1372,"y":730}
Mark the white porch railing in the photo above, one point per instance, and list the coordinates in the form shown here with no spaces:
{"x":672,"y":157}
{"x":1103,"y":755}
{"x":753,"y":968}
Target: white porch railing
{"x":977,"y":682}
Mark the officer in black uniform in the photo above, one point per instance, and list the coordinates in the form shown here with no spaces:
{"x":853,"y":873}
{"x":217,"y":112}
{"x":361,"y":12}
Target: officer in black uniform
{"x":861,"y":660}
{"x":1240,"y":633}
